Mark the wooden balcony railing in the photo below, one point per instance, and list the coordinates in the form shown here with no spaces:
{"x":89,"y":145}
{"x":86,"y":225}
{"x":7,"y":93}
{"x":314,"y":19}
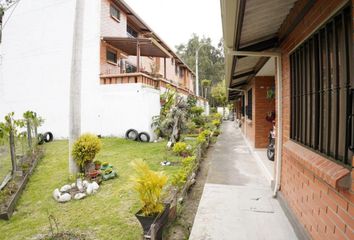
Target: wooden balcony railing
{"x":143,"y":78}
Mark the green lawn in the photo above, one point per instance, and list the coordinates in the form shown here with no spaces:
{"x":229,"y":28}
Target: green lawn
{"x":109,"y":214}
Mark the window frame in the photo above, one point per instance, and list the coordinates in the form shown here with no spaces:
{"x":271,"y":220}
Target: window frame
{"x":321,"y":90}
{"x":249,"y":107}
{"x":133,"y":31}
{"x":108,"y":49}
{"x":112,"y":6}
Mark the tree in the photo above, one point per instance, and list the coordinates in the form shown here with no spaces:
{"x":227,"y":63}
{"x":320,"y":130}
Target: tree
{"x":211,"y":59}
{"x":218,"y":93}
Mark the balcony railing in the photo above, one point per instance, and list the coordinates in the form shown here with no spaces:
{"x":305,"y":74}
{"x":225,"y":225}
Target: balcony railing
{"x":138,"y":77}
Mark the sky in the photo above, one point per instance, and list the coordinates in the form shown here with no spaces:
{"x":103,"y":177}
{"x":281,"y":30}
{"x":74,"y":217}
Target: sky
{"x":176,"y":21}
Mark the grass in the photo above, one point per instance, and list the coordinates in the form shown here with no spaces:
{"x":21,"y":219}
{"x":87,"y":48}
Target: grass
{"x":109,"y":214}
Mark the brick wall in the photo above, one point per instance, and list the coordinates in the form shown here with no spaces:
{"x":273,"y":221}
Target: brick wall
{"x":257,"y":129}
{"x":262,"y":106}
{"x":325,"y":210}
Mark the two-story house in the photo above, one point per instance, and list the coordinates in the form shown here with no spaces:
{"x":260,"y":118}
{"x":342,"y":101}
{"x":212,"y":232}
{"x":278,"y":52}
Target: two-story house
{"x":126,"y":66}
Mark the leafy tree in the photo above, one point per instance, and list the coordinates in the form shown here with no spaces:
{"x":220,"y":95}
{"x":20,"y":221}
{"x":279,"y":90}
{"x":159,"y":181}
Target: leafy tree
{"x":211,"y":59}
{"x":218,"y":93}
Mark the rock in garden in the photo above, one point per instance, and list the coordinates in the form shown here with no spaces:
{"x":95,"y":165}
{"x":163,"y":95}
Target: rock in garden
{"x":79,"y":185}
{"x":64,"y":198}
{"x":85,"y":183}
{"x":56,"y":194}
{"x":79,"y":196}
{"x":95,"y":186}
{"x":65,"y":188}
{"x":73,"y":185}
{"x":89,"y":189}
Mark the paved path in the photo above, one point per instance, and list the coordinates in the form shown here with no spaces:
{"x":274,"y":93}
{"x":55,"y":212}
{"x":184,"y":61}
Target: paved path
{"x":237,"y":201}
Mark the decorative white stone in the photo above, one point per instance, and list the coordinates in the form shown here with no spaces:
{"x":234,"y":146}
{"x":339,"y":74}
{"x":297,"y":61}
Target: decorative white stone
{"x":79,"y":184}
{"x":85,"y":183}
{"x":95,"y":186}
{"x":65,"y":188}
{"x":73,"y":185}
{"x":56,"y":194}
{"x":64,"y":198}
{"x":89,"y":189}
{"x":79,"y":196}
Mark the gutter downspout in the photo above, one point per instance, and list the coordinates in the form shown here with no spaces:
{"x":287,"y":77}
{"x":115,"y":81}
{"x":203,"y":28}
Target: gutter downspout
{"x":277,"y":56}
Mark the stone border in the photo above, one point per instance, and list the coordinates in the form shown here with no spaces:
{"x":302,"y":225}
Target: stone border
{"x":6,"y":215}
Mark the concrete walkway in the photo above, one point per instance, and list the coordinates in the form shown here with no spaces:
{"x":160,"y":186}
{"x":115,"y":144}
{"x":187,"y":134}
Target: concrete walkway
{"x":237,"y":200}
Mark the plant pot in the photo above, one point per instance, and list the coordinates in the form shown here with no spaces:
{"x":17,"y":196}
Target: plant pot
{"x":159,"y":221}
{"x":97,"y":166}
{"x":94,"y":173}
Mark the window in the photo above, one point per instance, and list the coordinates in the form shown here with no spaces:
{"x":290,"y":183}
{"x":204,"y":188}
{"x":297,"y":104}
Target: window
{"x":131,"y":32}
{"x":243,"y":106}
{"x":181,"y":72}
{"x":249,"y":104}
{"x":111,"y":56}
{"x":321,"y":99}
{"x":115,"y":13}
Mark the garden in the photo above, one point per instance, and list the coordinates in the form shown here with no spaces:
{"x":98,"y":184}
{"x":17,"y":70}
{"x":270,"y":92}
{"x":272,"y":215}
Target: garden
{"x":125,"y":189}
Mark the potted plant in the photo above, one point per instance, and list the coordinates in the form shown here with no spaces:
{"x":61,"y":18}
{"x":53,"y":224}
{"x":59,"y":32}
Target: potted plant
{"x":84,"y":151}
{"x":97,"y":164}
{"x":149,"y":186}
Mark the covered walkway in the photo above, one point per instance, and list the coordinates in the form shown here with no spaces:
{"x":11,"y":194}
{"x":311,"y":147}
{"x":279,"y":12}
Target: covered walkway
{"x":237,"y":200}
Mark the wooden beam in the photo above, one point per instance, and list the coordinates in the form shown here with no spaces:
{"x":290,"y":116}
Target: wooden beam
{"x":164,"y":68}
{"x":261,"y":45}
{"x":241,"y":75}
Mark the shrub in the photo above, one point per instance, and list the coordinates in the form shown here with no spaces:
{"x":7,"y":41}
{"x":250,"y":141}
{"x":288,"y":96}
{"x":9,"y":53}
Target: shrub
{"x":85,"y":149}
{"x":179,"y":148}
{"x":216,"y":116}
{"x":196,"y":110}
{"x":191,"y":127}
{"x":216,"y":132}
{"x":149,"y":185}
{"x":201,"y":139}
{"x":216,"y":123}
{"x":180,"y":178}
{"x":206,"y":133}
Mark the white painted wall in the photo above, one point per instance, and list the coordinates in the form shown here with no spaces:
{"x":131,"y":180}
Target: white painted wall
{"x":91,"y":100}
{"x":126,"y":106}
{"x":37,"y":43}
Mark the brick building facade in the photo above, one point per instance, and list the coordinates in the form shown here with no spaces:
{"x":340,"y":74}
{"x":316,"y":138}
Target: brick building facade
{"x":314,"y":40}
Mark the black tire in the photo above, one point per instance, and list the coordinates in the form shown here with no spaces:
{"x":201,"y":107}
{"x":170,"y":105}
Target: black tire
{"x":144,"y":137}
{"x":132,"y":134}
{"x":48,"y":137}
{"x":40,"y":139}
{"x":270,"y":153}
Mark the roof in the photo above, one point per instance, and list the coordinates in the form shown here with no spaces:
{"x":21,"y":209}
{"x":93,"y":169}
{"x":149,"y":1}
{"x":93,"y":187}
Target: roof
{"x":251,"y":25}
{"x":147,"y":31}
{"x":148,"y":46}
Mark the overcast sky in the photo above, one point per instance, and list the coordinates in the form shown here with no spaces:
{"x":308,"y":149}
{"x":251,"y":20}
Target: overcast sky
{"x":175,"y":21}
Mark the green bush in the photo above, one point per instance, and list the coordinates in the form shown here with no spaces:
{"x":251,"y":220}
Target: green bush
{"x":216,"y":123}
{"x":206,"y":133}
{"x":216,"y":116}
{"x":195,"y":110}
{"x":85,"y":149}
{"x":216,"y":132}
{"x":191,"y":127}
{"x":180,"y":178}
{"x":201,"y":139}
{"x":181,"y":149}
